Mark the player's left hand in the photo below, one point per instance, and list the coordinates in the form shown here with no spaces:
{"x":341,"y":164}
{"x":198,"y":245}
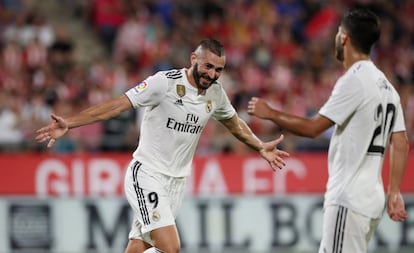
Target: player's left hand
{"x":396,"y":206}
{"x":273,"y":155}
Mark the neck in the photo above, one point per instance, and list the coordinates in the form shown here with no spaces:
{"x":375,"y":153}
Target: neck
{"x":190,"y":77}
{"x":191,"y":80}
{"x":353,"y":56}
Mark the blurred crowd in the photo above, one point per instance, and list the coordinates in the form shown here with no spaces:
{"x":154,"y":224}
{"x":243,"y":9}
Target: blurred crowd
{"x":281,"y":50}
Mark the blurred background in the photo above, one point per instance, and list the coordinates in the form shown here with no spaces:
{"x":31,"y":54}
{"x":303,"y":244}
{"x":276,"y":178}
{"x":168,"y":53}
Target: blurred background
{"x":64,"y":55}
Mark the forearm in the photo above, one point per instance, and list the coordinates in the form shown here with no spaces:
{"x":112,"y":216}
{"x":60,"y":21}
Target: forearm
{"x":99,"y":112}
{"x":397,"y":163}
{"x":246,"y":135}
{"x":242,"y":132}
{"x":294,"y":124}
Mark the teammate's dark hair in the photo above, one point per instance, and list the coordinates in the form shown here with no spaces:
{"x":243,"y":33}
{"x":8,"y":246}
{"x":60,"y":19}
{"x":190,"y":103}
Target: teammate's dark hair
{"x":213,"y":46}
{"x":363,"y":27}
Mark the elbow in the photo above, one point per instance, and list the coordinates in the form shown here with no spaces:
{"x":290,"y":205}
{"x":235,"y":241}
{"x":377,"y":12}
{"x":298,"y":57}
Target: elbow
{"x":400,"y":143}
{"x":306,"y":133}
{"x":402,"y":146}
{"x":312,"y":128}
{"x":311,"y":133}
{"x":406,"y":146}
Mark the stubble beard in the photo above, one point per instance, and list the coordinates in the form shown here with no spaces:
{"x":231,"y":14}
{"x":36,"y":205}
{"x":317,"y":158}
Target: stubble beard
{"x":339,"y":54}
{"x":197,"y":76}
{"x":339,"y":50}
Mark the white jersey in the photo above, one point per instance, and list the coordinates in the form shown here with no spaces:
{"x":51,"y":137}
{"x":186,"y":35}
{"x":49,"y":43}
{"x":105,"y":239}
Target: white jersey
{"x":366,"y":109}
{"x":174,"y":118}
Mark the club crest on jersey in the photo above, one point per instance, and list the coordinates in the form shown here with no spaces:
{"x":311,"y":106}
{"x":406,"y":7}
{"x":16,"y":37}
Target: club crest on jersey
{"x":156,"y":216}
{"x":209,"y":106}
{"x":180,"y":89}
{"x":141,"y":86}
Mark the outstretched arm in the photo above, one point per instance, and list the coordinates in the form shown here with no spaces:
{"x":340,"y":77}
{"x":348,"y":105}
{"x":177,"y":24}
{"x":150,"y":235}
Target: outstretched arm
{"x":398,"y":156}
{"x":99,"y":112}
{"x":267,"y":150}
{"x":297,"y":125}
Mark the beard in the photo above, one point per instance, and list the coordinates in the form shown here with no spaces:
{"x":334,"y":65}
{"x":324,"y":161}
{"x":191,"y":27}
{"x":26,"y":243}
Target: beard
{"x":197,"y":76}
{"x":339,"y":53}
{"x":339,"y":49}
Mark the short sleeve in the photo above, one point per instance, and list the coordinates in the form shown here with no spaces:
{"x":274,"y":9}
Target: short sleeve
{"x":149,"y":92}
{"x":225,"y":109}
{"x":343,"y":101}
{"x":399,"y":125}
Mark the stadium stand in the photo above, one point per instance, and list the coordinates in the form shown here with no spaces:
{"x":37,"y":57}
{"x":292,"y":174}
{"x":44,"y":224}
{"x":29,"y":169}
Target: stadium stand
{"x":62,"y":56}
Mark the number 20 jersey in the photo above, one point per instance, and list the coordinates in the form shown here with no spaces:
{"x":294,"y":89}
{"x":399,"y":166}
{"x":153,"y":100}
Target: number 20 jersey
{"x":174,"y":117}
{"x":366,"y":109}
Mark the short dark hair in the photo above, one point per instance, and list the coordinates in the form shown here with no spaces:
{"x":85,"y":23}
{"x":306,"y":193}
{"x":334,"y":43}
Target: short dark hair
{"x":213,"y":46}
{"x":363,"y":27}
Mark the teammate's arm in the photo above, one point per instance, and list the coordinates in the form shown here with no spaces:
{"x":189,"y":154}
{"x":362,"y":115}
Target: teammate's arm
{"x":398,"y":156}
{"x":297,"y":125}
{"x":267,"y":150}
{"x":99,"y":112}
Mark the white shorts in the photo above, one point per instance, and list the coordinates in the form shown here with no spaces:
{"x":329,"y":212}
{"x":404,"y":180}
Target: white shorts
{"x":346,"y":231}
{"x":155,"y":199}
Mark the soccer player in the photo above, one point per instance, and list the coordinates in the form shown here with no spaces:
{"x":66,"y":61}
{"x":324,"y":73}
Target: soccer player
{"x":178,"y":103}
{"x":367,"y":114}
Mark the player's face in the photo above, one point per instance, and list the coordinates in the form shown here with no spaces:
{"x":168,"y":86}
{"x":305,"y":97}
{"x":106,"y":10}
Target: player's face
{"x":339,"y":46}
{"x":207,"y":69}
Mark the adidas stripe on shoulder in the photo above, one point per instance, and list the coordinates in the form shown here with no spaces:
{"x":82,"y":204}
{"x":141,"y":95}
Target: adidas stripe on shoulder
{"x":174,"y":74}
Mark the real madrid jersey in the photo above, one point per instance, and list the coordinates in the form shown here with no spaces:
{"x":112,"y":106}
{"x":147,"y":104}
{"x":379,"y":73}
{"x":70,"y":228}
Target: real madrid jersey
{"x":174,"y":117}
{"x":366,"y":109}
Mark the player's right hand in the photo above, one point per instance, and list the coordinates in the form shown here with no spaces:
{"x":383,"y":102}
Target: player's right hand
{"x":259,"y":108}
{"x":395,"y":206}
{"x":53,"y":131}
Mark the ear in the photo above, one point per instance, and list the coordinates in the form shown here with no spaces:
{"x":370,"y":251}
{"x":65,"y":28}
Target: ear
{"x":193,"y":59}
{"x":344,"y":38}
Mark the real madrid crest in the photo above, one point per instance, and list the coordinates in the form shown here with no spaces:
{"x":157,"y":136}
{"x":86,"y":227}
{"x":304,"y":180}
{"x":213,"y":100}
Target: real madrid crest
{"x":209,"y":106}
{"x":155,"y":216}
{"x":180,"y":89}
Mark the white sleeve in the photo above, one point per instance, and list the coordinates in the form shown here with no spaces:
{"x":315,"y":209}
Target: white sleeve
{"x":149,"y":92}
{"x":399,"y":125}
{"x":344,"y":99}
{"x":225,"y":109}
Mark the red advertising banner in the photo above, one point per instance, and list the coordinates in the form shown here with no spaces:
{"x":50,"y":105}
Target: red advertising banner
{"x":103,"y":175}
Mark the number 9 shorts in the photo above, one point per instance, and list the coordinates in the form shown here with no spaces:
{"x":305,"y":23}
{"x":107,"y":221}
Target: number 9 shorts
{"x":155,"y":199}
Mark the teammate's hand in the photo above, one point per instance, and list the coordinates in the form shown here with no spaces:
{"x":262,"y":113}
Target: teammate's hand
{"x":396,"y":207}
{"x":273,"y":155}
{"x":259,"y":108}
{"x":53,"y":131}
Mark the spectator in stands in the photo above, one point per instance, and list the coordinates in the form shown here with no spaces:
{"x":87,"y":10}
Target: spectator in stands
{"x":11,"y":135}
{"x":108,"y":16}
{"x":287,"y":32}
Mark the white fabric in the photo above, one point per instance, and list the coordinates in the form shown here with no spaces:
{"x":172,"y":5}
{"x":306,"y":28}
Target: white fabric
{"x":154,"y":197}
{"x":173,"y":120}
{"x":9,"y":131}
{"x":152,"y":250}
{"x":346,"y":231}
{"x":363,"y":104}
